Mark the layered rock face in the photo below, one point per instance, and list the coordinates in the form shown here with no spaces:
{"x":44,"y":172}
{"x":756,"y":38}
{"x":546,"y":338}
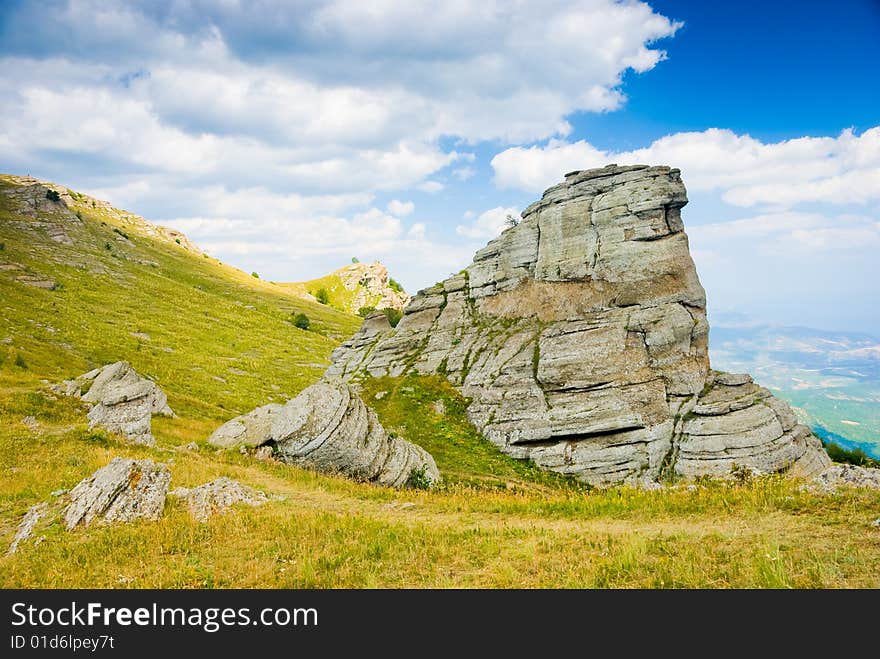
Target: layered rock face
{"x":580,"y":336}
{"x":328,"y":428}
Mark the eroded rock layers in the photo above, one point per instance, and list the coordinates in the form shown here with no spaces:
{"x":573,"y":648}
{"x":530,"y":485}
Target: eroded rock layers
{"x":328,"y":428}
{"x":580,"y":336}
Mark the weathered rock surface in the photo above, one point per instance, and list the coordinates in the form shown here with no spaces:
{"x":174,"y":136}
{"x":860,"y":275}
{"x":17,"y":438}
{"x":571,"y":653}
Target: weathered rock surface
{"x":371,"y":286}
{"x":839,"y":475}
{"x":123,"y":491}
{"x":580,"y":336}
{"x":218,"y":496}
{"x":26,"y":527}
{"x":328,"y":428}
{"x":122,"y":400}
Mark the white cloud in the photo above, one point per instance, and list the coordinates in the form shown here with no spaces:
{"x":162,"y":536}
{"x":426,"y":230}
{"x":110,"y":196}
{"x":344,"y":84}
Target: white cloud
{"x":790,"y":233}
{"x":841,"y":170}
{"x":488,"y":224}
{"x":463,"y":173}
{"x":430,"y":186}
{"x":400,"y":208}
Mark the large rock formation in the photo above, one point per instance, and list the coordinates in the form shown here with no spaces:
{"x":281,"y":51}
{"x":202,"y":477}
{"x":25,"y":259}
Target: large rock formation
{"x":122,"y":400}
{"x":580,"y":336}
{"x":328,"y":428}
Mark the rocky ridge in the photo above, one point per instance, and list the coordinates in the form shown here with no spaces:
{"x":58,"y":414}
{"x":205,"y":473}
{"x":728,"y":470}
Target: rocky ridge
{"x":54,"y":207}
{"x":580,"y":336}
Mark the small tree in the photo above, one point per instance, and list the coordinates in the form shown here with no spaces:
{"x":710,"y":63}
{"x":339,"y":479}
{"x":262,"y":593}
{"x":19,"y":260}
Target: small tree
{"x":355,"y":259}
{"x":511,"y":221}
{"x":322,"y":296}
{"x":394,"y":285}
{"x":302,"y":321}
{"x":52,"y":195}
{"x":255,"y":275}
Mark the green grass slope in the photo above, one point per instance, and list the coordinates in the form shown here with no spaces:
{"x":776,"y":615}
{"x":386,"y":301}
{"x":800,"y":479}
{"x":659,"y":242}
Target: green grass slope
{"x":219,"y":342}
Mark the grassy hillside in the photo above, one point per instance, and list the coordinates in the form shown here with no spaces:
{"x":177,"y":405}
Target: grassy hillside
{"x":219,"y":342}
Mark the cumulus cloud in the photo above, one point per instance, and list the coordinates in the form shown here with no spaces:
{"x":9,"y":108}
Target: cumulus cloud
{"x":746,"y":171}
{"x":488,"y":224}
{"x":400,"y":208}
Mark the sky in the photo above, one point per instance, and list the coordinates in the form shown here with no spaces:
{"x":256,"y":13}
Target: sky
{"x":288,"y":137}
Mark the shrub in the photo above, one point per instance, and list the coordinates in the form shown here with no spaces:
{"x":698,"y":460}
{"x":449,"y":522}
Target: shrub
{"x":301,"y":320}
{"x":120,"y":232}
{"x":418,"y":478}
{"x":107,"y":246}
{"x":393,"y":316}
{"x":854,"y":456}
{"x":2,"y":246}
{"x":394,"y":285}
{"x":355,"y":259}
{"x":363,"y":312}
{"x":322,"y":296}
{"x":52,"y":195}
{"x":255,"y":275}
{"x":19,"y":361}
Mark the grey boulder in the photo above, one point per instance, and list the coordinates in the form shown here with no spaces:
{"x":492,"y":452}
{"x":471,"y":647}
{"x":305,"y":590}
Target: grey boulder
{"x":123,"y":491}
{"x":122,"y":400}
{"x":218,"y":496}
{"x":328,"y":428}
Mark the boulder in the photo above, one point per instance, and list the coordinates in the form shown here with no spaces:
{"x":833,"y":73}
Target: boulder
{"x":328,"y":428}
{"x":123,"y":491}
{"x":122,"y":400}
{"x":580,"y":337}
{"x":218,"y":496}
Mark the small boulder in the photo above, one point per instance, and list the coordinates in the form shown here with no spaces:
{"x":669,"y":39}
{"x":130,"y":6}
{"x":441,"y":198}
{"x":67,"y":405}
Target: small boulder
{"x":26,"y":527}
{"x":218,"y":496}
{"x":124,"y":490}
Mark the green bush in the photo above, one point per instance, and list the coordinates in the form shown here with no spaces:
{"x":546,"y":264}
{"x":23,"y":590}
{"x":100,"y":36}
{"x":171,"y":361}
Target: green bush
{"x":394,"y":285}
{"x":355,"y":259}
{"x":19,"y":361}
{"x":2,"y":246}
{"x":393,"y":316}
{"x":418,"y":479}
{"x":854,"y":456}
{"x":301,"y":320}
{"x":51,"y":195}
{"x":363,"y":312}
{"x":322,"y":296}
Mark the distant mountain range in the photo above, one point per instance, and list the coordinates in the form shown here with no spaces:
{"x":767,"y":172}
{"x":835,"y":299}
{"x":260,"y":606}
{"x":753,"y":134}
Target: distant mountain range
{"x":832,"y":378}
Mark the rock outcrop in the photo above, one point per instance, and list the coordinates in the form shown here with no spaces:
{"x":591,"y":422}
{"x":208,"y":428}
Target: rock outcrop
{"x":580,"y":336}
{"x":123,"y":491}
{"x":328,"y":428}
{"x":122,"y":401}
{"x":371,"y":286}
{"x":218,"y":496}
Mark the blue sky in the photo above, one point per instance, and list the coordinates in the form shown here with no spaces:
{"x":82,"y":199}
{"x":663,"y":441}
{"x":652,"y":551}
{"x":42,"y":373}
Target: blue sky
{"x":287,"y":137}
